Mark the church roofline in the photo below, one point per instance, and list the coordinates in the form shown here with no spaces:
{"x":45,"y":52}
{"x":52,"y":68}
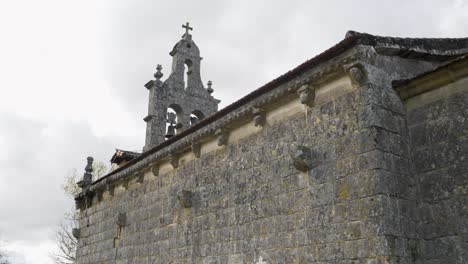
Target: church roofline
{"x":121,"y":155}
{"x":421,"y":48}
{"x":448,"y":72}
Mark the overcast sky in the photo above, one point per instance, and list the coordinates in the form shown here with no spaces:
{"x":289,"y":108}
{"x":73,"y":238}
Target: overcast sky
{"x":72,"y":76}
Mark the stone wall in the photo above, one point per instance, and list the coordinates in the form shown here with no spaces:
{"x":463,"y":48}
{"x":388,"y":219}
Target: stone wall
{"x":385,"y":181}
{"x":251,"y":204}
{"x":438,"y":125}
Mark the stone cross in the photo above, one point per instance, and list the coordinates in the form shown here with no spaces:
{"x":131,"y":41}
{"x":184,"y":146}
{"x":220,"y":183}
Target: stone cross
{"x":187,"y":28}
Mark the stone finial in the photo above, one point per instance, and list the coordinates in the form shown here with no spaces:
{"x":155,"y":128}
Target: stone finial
{"x":87,"y":176}
{"x":121,"y":219}
{"x":158,"y":75}
{"x":89,"y":166}
{"x":306,"y":95}
{"x":302,"y":158}
{"x":185,"y":198}
{"x":209,"y":89}
{"x":259,"y":116}
{"x":222,"y":137}
{"x":76,"y":233}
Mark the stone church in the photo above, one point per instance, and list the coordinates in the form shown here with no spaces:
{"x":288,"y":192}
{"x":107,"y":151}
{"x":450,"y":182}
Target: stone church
{"x":358,"y":155}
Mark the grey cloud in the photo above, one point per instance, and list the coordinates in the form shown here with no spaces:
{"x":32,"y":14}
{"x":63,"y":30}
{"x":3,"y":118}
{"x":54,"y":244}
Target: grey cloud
{"x":245,"y":44}
{"x":36,"y":157}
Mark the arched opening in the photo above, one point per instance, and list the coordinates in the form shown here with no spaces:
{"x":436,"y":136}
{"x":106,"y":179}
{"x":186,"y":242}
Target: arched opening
{"x":172,"y":120}
{"x":187,"y":72}
{"x":196,"y":116}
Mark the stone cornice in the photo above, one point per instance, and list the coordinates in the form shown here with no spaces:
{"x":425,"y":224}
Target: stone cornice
{"x":433,"y":79}
{"x":344,"y":58}
{"x":314,"y":77}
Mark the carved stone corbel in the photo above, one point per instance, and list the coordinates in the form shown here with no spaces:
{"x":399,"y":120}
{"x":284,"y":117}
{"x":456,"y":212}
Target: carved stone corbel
{"x":79,"y":203}
{"x":140,"y":178}
{"x":89,"y":198}
{"x":155,"y":169}
{"x":125,"y":184}
{"x":110,"y":189}
{"x":99,"y":195}
{"x":302,"y":158}
{"x":306,"y":95}
{"x":221,"y":136}
{"x":196,"y":149}
{"x":121,"y":219}
{"x":357,"y":74}
{"x":174,"y":160}
{"x":258,"y":116}
{"x":76,"y":233}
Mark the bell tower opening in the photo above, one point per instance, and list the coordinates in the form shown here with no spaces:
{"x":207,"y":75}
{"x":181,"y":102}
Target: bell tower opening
{"x":196,"y":116}
{"x":181,"y":100}
{"x":187,"y":71}
{"x":172,"y":121}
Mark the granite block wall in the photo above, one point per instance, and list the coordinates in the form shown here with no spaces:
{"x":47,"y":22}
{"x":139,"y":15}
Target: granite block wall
{"x":250,"y":204}
{"x":438,"y":126}
{"x":387,"y":184}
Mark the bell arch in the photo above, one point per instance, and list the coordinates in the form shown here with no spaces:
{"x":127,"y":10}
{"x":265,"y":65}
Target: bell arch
{"x":174,"y":113}
{"x":196,"y":116}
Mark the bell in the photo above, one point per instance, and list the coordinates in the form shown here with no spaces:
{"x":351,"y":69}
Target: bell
{"x":193,"y":120}
{"x":171,"y":118}
{"x":170,"y":131}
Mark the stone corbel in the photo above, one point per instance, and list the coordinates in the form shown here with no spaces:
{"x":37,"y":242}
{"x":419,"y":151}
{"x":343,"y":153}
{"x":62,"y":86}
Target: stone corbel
{"x":140,"y":178}
{"x":221,"y":136}
{"x":76,"y":233}
{"x":196,"y":149}
{"x":258,"y":116}
{"x":125,"y":184}
{"x":79,"y":203}
{"x":306,"y":95}
{"x":148,"y":118}
{"x":89,"y":198}
{"x":121,"y":219}
{"x":174,"y":160}
{"x":110,"y":189}
{"x":357,"y":74}
{"x":155,"y":169}
{"x":99,"y":195}
{"x":302,"y":158}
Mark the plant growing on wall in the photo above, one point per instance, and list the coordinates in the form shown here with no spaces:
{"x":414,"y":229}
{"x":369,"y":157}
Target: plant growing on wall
{"x":66,"y":241}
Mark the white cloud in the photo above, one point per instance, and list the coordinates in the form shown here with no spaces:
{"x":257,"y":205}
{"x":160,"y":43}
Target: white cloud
{"x":23,"y":252}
